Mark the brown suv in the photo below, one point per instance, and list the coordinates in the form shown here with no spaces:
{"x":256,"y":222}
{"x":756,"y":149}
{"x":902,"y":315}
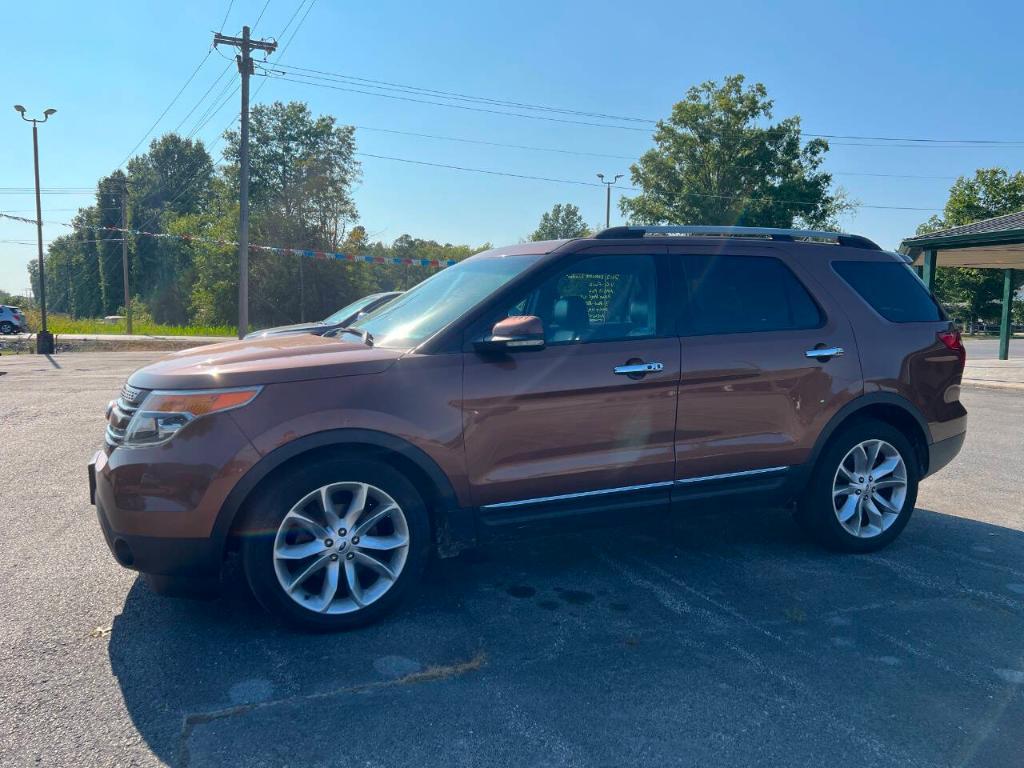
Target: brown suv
{"x":644,"y":367}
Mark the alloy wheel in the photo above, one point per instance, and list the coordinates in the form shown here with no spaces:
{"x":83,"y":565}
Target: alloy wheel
{"x":341,"y":547}
{"x":869,"y":488}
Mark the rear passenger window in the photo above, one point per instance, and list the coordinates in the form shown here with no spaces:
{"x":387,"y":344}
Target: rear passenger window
{"x":745,"y":294}
{"x":892,"y":289}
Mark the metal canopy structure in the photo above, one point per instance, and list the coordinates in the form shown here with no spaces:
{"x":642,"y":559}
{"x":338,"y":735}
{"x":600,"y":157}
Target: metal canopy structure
{"x":996,"y":243}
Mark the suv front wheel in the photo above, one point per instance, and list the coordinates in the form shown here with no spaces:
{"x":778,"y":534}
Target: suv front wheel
{"x":862,"y":489}
{"x":336,"y":544}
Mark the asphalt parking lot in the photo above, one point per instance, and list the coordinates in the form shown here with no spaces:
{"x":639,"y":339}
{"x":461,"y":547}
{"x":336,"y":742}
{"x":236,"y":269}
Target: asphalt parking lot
{"x":723,"y":639}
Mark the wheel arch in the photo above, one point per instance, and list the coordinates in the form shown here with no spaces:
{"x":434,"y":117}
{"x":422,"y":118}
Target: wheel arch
{"x":884,"y":406}
{"x":453,"y":527}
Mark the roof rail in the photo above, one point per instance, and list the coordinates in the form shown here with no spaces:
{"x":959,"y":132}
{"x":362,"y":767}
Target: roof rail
{"x":855,"y":241}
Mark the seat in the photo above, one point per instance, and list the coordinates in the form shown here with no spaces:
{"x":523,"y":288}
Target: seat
{"x":570,"y":321}
{"x":640,"y":318}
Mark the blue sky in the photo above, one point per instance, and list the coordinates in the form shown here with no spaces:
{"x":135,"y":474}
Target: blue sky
{"x":933,"y":70}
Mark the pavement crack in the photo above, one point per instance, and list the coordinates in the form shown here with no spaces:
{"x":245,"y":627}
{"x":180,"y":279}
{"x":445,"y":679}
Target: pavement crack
{"x":430,"y":674}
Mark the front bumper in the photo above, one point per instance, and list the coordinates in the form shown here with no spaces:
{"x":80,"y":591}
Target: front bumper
{"x":160,"y":556}
{"x":158,"y":506}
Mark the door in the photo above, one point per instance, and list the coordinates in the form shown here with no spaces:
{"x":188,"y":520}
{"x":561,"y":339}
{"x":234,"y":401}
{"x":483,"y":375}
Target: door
{"x":570,"y":427}
{"x":757,"y":381}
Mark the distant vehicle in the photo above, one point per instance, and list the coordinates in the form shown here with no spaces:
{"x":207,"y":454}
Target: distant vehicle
{"x":340,"y":319}
{"x":12,"y":320}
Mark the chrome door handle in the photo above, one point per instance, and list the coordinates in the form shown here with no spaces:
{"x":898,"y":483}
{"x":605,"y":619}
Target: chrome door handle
{"x":638,"y":368}
{"x":824,"y":352}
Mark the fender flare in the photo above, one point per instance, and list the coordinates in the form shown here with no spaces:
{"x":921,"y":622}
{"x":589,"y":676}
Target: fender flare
{"x":858,"y":404}
{"x":339,"y":438}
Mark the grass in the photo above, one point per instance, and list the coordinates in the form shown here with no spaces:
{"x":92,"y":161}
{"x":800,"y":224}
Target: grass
{"x":59,"y":324}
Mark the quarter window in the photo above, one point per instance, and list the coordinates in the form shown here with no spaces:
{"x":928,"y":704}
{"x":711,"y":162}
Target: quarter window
{"x":744,"y":294}
{"x":891,"y":288}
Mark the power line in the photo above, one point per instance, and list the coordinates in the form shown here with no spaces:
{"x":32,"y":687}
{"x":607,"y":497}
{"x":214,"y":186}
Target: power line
{"x":262,"y":11}
{"x":455,"y":95}
{"x":387,"y":85}
{"x":226,"y":14}
{"x":167,"y":108}
{"x":292,"y":37}
{"x":202,"y":98}
{"x":57,"y":192}
{"x":292,"y":18}
{"x":297,"y":26}
{"x":207,"y":116}
{"x":270,"y":74}
{"x":463,"y":140}
{"x":225,"y":96}
{"x":631,"y":158}
{"x":631,"y":189}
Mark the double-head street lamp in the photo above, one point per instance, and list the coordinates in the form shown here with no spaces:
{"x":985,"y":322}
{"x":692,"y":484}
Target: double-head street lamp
{"x":608,"y":197}
{"x":44,"y":339}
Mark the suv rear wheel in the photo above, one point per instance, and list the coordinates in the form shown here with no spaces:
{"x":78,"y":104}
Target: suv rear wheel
{"x":6,"y":327}
{"x":336,"y":544}
{"x":862,"y":490}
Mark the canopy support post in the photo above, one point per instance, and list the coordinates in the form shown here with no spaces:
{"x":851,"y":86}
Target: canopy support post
{"x":931,"y":259}
{"x":1004,"y":319}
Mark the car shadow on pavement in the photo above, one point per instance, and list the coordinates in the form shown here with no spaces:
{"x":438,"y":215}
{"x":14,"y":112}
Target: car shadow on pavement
{"x":722,"y":639}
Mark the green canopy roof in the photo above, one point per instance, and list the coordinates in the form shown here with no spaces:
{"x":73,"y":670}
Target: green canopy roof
{"x":996,"y":243}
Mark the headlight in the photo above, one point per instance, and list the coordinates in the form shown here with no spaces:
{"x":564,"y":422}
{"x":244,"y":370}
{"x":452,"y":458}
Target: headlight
{"x":164,"y":412}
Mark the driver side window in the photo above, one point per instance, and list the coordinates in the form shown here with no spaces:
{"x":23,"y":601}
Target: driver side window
{"x":601,"y":298}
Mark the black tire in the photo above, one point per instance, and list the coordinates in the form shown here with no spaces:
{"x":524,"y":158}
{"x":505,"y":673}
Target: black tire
{"x":6,"y":328}
{"x":264,"y":516}
{"x":816,"y":512}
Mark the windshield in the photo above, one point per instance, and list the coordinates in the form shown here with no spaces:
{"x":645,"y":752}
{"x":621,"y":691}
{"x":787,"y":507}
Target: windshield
{"x":430,"y":306}
{"x":350,"y":309}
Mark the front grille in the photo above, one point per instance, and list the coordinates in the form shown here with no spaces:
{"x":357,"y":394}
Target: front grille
{"x":133,"y":396}
{"x":122,"y":411}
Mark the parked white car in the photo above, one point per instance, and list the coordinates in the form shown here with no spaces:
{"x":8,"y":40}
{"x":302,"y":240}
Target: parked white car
{"x":12,"y":320}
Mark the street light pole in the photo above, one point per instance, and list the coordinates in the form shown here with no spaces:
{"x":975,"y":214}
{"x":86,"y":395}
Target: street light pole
{"x":44,"y":339}
{"x":608,"y":198}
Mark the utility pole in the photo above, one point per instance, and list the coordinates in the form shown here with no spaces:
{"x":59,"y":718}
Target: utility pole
{"x":245,"y":67}
{"x":44,"y":339}
{"x":71,"y":298}
{"x":608,"y":198}
{"x":302,"y":292}
{"x":124,"y":255}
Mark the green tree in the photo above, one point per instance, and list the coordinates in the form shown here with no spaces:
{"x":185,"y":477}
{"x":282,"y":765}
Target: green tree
{"x":716,"y":162}
{"x":174,"y":178}
{"x":562,"y":221}
{"x":86,"y":284}
{"x":302,"y":170}
{"x":108,"y":214}
{"x":213,"y":298}
{"x":990,"y":192}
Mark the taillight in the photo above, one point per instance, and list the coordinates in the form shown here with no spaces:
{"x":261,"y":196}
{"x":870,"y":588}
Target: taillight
{"x":954,"y":343}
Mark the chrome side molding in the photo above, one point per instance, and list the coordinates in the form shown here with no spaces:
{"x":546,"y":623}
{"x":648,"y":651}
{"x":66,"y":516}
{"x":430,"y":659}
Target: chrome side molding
{"x":730,"y":475}
{"x":580,"y":495}
{"x":633,"y":488}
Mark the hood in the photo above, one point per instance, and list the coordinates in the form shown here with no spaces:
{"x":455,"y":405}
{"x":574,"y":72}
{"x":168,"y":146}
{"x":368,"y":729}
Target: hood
{"x":313,"y":327}
{"x":271,"y":360}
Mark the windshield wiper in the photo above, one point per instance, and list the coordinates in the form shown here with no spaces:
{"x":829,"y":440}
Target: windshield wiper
{"x":366,"y":336}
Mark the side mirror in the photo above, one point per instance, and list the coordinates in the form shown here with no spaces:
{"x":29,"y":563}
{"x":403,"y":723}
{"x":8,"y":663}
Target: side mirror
{"x":524,"y":333}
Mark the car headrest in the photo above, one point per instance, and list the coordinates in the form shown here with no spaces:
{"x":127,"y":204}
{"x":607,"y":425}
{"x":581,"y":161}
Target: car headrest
{"x":639,"y":312}
{"x":571,"y":312}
